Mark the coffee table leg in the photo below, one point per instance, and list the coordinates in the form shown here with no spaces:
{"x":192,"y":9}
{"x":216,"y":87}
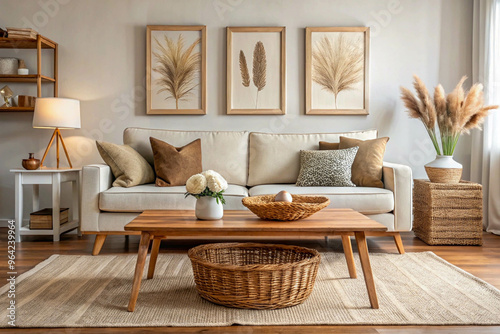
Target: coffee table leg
{"x":367,"y":269}
{"x":154,"y":255}
{"x":349,"y":257}
{"x":139,"y":269}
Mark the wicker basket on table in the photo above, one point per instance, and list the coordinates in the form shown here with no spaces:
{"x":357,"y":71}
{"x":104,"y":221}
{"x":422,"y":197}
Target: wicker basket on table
{"x":301,"y":207}
{"x":254,"y":276}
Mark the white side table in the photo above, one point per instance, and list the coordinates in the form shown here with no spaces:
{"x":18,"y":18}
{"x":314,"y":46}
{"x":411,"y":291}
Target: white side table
{"x":55,"y":177}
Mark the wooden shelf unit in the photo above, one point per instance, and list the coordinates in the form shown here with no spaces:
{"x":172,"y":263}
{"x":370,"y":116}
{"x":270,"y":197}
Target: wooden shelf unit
{"x":39,"y":43}
{"x":27,"y":43}
{"x":16,"y":109}
{"x":25,"y":78}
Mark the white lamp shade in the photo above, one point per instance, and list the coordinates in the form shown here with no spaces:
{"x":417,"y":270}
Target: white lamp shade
{"x":56,"y":112}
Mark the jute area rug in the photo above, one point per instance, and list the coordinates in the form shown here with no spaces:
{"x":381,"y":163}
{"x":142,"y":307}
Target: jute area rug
{"x":93,"y":291}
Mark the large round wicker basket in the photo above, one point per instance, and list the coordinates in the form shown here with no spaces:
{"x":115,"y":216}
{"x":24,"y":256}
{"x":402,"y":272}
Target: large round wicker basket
{"x":301,"y":207}
{"x":254,"y":276}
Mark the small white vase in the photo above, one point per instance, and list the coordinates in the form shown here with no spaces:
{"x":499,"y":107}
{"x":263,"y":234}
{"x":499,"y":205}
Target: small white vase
{"x":444,"y":170}
{"x":207,"y":208}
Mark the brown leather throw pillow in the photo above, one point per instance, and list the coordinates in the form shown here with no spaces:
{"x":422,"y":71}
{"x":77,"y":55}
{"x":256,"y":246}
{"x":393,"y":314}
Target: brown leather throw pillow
{"x":324,"y":145}
{"x":174,"y":165}
{"x":367,"y":166}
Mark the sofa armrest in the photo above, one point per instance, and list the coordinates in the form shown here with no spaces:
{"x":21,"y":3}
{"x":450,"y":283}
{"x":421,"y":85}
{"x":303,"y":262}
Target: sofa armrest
{"x":95,"y":179}
{"x":398,"y":179}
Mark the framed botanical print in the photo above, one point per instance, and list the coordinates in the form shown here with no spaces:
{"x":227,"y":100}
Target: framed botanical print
{"x":176,"y":70}
{"x":256,"y":70}
{"x":337,"y":60}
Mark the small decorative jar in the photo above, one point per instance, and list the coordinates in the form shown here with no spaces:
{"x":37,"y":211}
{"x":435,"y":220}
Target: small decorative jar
{"x":22,"y":70}
{"x":31,"y":163}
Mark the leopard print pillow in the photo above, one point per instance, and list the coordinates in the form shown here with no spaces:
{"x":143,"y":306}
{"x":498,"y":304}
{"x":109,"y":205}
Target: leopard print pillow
{"x":326,"y":168}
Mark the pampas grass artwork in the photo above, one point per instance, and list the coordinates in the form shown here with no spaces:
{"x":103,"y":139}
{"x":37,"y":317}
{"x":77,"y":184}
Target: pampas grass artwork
{"x":455,"y":113}
{"x":258,"y":70}
{"x":178,"y":68}
{"x":337,"y":64}
{"x":245,"y":76}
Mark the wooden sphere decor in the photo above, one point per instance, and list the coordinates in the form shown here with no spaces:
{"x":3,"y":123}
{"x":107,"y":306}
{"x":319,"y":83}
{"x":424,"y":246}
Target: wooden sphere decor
{"x":283,"y":196}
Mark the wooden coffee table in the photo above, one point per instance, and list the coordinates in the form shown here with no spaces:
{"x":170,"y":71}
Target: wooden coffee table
{"x":160,"y":224}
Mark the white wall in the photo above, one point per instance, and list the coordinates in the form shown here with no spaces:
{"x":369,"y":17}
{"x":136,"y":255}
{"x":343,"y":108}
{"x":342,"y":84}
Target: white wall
{"x":102,"y":63}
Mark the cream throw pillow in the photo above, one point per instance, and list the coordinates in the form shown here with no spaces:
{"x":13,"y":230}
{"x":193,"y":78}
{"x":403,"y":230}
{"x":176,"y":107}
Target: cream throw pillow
{"x":129,"y":167}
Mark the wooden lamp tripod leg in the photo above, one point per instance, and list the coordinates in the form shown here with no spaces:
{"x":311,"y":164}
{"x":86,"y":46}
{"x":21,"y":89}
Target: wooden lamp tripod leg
{"x":65,"y":150}
{"x":58,"y":137}
{"x":57,"y":147}
{"x":48,"y":147}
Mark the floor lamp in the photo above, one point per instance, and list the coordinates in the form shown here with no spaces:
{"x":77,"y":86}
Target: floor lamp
{"x":56,"y":113}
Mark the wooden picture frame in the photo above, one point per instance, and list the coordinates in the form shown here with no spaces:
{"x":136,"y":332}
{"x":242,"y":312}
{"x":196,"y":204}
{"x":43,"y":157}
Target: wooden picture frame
{"x":265,"y":73}
{"x":324,"y":46}
{"x":163,"y":96}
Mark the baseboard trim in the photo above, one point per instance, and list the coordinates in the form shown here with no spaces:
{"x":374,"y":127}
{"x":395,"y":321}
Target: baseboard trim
{"x":4,"y":222}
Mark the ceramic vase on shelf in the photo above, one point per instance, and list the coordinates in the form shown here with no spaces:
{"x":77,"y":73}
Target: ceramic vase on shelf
{"x":444,"y":170}
{"x":207,"y":208}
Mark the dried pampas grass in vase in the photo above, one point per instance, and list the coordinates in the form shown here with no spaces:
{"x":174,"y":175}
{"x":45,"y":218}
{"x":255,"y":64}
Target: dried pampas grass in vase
{"x":455,"y":114}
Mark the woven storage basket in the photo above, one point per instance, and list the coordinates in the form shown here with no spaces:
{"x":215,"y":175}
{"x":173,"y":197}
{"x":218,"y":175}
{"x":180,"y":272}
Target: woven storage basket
{"x":254,"y":276}
{"x":8,"y":65}
{"x":448,"y":213}
{"x":301,"y":207}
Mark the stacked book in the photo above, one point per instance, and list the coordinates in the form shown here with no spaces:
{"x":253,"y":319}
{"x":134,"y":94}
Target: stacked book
{"x":21,"y":33}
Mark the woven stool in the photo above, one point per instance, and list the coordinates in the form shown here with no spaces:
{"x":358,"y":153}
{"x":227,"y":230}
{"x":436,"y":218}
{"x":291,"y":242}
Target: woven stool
{"x":448,"y":213}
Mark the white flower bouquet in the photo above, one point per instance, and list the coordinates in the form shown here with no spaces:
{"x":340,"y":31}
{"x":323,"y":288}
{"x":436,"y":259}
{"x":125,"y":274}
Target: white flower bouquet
{"x":209,"y":183}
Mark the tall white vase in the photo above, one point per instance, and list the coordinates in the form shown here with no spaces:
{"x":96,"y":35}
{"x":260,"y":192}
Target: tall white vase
{"x":207,"y":208}
{"x":444,"y":170}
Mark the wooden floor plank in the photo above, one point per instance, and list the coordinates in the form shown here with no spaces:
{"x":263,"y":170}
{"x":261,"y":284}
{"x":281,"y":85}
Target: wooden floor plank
{"x":479,"y":261}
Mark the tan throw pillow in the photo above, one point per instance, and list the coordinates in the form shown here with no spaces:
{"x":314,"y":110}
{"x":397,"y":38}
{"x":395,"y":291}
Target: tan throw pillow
{"x":174,"y":165}
{"x":324,"y":145}
{"x":367,"y":166}
{"x":128,"y":167}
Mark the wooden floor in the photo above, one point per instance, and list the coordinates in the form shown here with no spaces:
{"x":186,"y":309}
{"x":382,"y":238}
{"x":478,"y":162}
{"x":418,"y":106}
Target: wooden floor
{"x":483,"y":262}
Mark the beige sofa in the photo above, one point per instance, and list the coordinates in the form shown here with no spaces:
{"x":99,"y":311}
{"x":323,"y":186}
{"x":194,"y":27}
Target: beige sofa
{"x":253,"y":164}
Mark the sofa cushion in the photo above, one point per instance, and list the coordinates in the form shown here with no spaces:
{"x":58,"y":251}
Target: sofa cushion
{"x":225,"y":152}
{"x":274,"y":158}
{"x":363,"y":199}
{"x":149,"y":197}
